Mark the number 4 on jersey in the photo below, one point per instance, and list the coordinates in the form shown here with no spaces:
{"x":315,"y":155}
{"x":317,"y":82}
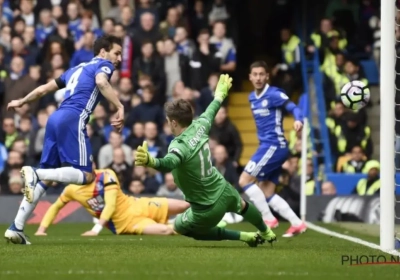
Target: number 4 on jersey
{"x":73,"y":82}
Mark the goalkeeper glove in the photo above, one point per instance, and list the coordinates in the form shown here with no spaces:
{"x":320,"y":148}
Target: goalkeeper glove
{"x":143,"y":158}
{"x":223,"y":86}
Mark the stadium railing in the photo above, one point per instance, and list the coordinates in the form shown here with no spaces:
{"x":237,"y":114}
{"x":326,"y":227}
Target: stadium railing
{"x":321,"y":115}
{"x":344,"y":183}
{"x":304,"y":104}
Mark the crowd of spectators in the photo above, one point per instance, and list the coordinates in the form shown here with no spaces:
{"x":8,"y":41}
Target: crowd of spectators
{"x":170,"y":50}
{"x":348,"y":33}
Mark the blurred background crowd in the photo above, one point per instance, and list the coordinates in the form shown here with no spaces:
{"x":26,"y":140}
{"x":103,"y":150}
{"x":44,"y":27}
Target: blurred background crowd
{"x":170,"y":50}
{"x":176,"y":49}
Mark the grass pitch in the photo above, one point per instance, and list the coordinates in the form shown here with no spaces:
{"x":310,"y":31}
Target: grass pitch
{"x":64,"y":254}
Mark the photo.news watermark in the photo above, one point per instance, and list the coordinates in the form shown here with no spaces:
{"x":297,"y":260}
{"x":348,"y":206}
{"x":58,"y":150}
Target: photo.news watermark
{"x":358,"y":260}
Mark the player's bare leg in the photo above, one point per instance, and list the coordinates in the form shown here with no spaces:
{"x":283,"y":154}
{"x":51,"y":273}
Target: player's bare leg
{"x":176,"y":206}
{"x":282,"y":207}
{"x":158,"y":229}
{"x":257,"y":197}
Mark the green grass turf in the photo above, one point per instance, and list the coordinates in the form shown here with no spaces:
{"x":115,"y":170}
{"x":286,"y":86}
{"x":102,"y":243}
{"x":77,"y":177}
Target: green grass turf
{"x":64,"y":254}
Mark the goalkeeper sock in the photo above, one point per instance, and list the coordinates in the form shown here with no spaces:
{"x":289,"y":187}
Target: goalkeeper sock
{"x":282,"y":207}
{"x":67,"y":175}
{"x":257,"y":197}
{"x":253,"y":216}
{"x":215,"y":234}
{"x":26,"y":208}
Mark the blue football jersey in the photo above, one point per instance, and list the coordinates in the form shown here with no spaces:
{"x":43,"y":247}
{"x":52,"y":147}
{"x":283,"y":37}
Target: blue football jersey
{"x":81,"y":93}
{"x":267,"y":113}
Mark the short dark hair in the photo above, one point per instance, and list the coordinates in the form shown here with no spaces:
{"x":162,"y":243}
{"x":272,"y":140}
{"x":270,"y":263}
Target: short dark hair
{"x":145,"y":42}
{"x":63,"y":20}
{"x":204,"y":31}
{"x":220,"y":22}
{"x":110,"y":19}
{"x":105,"y":42}
{"x":25,"y":119}
{"x":180,"y":111}
{"x":169,"y":39}
{"x":258,"y":64}
{"x":19,"y":139}
{"x":18,"y":36}
{"x":149,"y":88}
{"x":87,"y":14}
{"x":136,"y":178}
{"x":89,"y":31}
{"x":119,"y":24}
{"x":18,"y":19}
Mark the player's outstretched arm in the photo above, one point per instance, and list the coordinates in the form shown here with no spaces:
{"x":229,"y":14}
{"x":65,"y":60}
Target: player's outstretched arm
{"x":166,"y":164}
{"x":297,"y":114}
{"x":49,"y":217}
{"x":37,"y":93}
{"x":221,"y":92}
{"x":110,"y":202}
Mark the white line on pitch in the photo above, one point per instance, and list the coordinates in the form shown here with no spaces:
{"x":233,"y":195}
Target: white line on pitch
{"x":351,"y":239}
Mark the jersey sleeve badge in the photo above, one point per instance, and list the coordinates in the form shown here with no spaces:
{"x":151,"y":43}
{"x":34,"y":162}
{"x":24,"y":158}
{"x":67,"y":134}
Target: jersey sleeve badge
{"x":284,"y":96}
{"x":106,"y":70}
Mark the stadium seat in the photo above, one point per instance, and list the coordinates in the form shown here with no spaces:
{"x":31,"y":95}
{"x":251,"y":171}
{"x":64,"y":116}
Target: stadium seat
{"x":345,"y":183}
{"x":371,"y":71}
{"x":242,"y":111}
{"x":245,"y":125}
{"x":239,"y":98}
{"x":249,"y":137}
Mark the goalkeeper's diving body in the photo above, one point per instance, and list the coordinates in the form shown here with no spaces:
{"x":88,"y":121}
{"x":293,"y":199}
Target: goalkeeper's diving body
{"x":209,"y":194}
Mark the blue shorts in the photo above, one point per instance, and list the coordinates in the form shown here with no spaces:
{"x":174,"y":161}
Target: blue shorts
{"x":266,"y":163}
{"x":66,"y":142}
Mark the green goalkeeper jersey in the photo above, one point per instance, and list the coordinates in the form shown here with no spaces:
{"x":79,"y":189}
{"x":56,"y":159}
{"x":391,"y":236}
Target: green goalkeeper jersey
{"x":189,"y":160}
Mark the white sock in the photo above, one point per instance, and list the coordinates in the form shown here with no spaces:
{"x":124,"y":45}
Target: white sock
{"x":257,"y":197}
{"x":282,"y":207}
{"x":67,"y":175}
{"x":26,"y":208}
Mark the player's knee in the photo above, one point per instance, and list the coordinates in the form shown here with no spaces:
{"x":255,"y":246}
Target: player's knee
{"x":267,"y":187}
{"x":243,"y":204}
{"x":245,"y":179}
{"x":89,"y":177}
{"x":183,"y":206}
{"x":167,"y":231}
{"x":49,"y":183}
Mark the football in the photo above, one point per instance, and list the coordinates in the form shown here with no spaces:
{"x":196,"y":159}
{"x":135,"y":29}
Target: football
{"x":355,"y":95}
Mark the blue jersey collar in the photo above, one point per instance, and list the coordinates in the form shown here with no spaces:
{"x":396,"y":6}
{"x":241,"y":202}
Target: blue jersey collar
{"x":262,"y":93}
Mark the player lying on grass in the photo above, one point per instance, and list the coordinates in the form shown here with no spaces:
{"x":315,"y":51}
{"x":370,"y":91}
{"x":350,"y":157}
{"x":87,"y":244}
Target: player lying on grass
{"x":120,"y":213}
{"x":209,"y":194}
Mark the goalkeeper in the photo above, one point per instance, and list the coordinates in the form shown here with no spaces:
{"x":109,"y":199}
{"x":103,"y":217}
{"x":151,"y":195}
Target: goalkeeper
{"x":209,"y":195}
